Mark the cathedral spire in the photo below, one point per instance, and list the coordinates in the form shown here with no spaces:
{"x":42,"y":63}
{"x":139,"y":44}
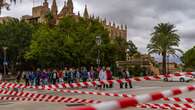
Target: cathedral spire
{"x":121,"y":26}
{"x":110,"y":24}
{"x":63,"y":11}
{"x":70,"y":7}
{"x":54,"y":9}
{"x":45,"y":3}
{"x":93,"y":16}
{"x":125,"y":27}
{"x":86,"y":14}
{"x":114,"y":24}
{"x":105,"y":21}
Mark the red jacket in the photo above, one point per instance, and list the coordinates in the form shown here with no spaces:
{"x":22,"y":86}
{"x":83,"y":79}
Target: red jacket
{"x":108,"y":75}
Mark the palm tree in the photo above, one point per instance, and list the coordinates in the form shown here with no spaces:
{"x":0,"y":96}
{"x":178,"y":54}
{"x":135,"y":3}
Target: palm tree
{"x":164,"y":40}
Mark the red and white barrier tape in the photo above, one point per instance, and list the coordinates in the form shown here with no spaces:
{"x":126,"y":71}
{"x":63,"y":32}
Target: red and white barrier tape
{"x":177,"y":99}
{"x":59,"y":100}
{"x":151,"y":107}
{"x":133,"y":101}
{"x":48,"y":98}
{"x":10,"y":85}
{"x":94,"y":83}
{"x":84,"y":84}
{"x":168,"y":106}
{"x":175,"y":105}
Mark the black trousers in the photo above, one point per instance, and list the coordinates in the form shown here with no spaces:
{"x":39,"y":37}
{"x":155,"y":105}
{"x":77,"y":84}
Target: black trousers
{"x":126,"y":85}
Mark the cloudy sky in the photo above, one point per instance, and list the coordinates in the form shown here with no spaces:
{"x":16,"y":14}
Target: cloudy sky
{"x":140,"y":16}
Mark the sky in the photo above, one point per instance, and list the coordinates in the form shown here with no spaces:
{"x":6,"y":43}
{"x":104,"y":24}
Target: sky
{"x":139,"y":15}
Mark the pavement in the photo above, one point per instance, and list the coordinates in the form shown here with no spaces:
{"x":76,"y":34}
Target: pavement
{"x":142,"y":87}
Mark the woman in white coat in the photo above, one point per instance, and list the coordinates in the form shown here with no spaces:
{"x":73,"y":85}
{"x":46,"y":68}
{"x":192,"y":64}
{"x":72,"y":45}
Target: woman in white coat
{"x":102,"y":75}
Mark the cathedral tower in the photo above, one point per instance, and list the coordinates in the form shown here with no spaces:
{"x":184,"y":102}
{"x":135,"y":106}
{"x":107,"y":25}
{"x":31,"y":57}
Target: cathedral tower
{"x":86,"y":14}
{"x":45,"y":4}
{"x":54,"y":9}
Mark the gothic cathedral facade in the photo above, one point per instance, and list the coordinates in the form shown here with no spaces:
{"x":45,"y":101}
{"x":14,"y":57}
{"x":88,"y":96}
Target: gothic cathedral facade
{"x":39,"y":13}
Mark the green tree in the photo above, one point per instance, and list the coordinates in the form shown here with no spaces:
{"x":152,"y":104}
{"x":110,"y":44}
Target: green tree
{"x":164,"y":40}
{"x":188,"y":58}
{"x":131,"y":49}
{"x":73,"y":42}
{"x":67,"y":43}
{"x":16,"y":35}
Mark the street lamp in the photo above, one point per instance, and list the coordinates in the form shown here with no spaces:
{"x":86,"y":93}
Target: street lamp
{"x":5,"y":60}
{"x":98,"y":42}
{"x":168,"y":64}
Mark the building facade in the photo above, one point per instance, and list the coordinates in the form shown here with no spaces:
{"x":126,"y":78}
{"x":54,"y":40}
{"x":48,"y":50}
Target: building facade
{"x":145,"y":61}
{"x":171,"y":67}
{"x":39,"y":14}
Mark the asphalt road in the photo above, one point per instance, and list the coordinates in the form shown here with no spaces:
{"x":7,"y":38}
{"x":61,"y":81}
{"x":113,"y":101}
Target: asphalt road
{"x":143,"y":87}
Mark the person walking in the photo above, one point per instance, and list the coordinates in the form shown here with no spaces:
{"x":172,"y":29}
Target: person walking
{"x":60,"y":76}
{"x":121,"y":73}
{"x":65,"y":73}
{"x":91,"y":74}
{"x":102,"y":76}
{"x":78,"y":75}
{"x":37,"y":77}
{"x":70,"y":76}
{"x":54,"y":76}
{"x":50,"y":76}
{"x":26,"y":78}
{"x":108,"y":76}
{"x":32,"y":78}
{"x":44,"y":77}
{"x":127,"y":76}
{"x":84,"y":74}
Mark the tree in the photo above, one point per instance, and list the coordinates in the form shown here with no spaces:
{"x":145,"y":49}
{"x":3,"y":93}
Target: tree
{"x":16,"y":35}
{"x":188,"y":58}
{"x":73,"y":42}
{"x":131,"y":49}
{"x":67,"y":43}
{"x":164,"y":40}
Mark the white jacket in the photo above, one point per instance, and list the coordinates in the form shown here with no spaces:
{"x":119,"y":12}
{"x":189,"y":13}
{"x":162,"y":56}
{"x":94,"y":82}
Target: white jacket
{"x":102,"y":75}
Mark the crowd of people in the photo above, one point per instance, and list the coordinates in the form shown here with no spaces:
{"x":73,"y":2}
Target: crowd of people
{"x":73,"y":75}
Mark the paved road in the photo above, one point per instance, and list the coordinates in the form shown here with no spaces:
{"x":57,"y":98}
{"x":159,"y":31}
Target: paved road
{"x":139,"y":88}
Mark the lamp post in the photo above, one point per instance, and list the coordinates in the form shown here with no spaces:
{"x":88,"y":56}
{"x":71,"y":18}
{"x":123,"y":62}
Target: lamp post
{"x":5,"y":60}
{"x":168,"y":64}
{"x":98,"y":42}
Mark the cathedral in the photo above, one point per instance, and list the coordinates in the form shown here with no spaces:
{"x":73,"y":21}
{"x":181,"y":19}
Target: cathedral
{"x":39,"y":15}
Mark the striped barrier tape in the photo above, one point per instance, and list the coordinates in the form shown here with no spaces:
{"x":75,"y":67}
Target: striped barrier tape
{"x":151,"y":107}
{"x":58,"y":100}
{"x":95,"y":83}
{"x":65,"y":100}
{"x":177,"y":99}
{"x":48,"y":98}
{"x":68,"y":100}
{"x":81,"y":84}
{"x":133,"y":101}
{"x":165,"y":106}
{"x":186,"y":105}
